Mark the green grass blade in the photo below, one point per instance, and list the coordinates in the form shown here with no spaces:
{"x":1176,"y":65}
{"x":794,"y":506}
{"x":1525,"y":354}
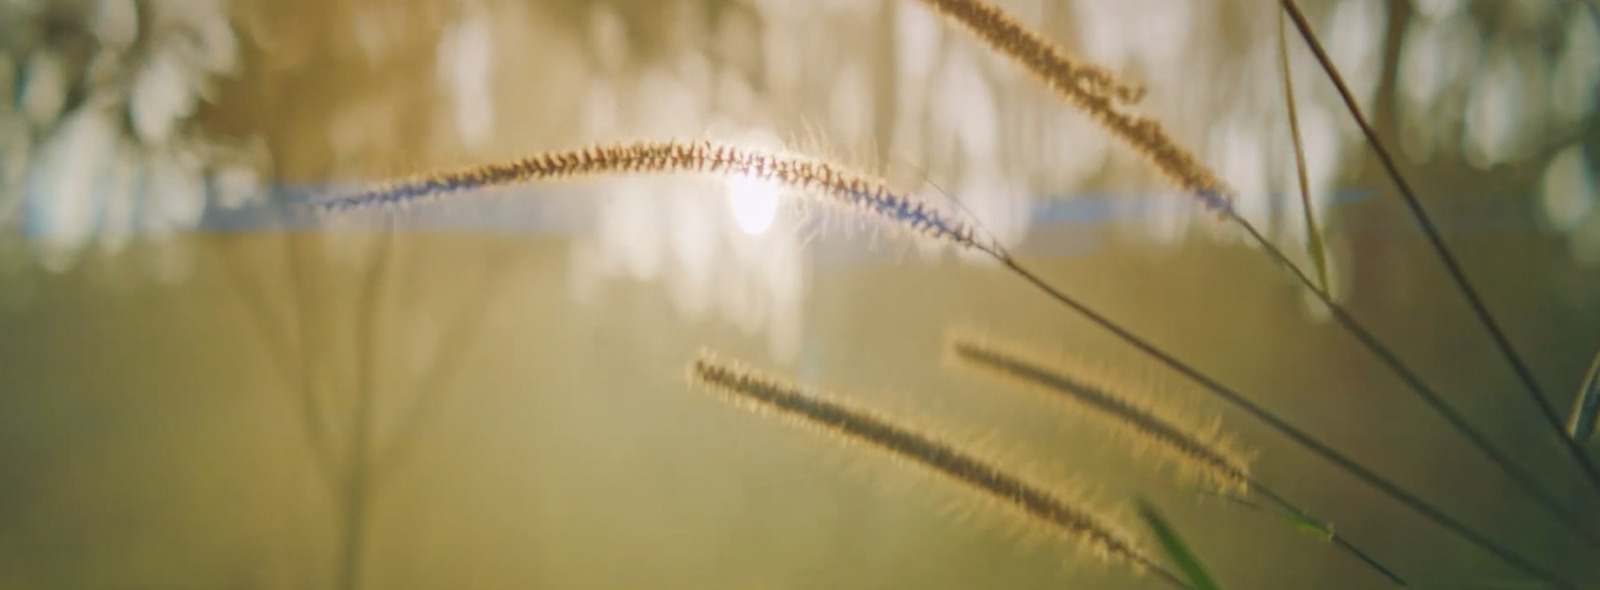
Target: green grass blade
{"x":1580,"y":426}
{"x":1314,"y":246}
{"x":1176,"y":549}
{"x":1308,"y":526}
{"x":1301,"y":523}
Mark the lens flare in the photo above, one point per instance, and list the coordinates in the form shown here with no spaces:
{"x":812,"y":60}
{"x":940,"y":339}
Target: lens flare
{"x":754,"y":202}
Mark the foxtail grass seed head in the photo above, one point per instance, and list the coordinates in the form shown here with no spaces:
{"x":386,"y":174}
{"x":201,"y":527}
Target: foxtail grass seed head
{"x":1045,"y":60}
{"x":1095,"y":91}
{"x":764,"y":393}
{"x":837,"y":183}
{"x":1112,"y":401}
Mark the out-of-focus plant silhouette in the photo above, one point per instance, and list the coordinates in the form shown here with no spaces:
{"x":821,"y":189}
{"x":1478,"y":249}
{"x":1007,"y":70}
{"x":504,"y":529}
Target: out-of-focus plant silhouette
{"x":106,"y":140}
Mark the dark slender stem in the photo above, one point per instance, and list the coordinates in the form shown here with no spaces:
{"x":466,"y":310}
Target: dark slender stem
{"x":1131,"y":415}
{"x":1314,"y":241}
{"x":1519,"y":475}
{"x":1300,"y":437}
{"x":1479,"y":309}
{"x":1284,"y":505}
{"x":1262,"y":490}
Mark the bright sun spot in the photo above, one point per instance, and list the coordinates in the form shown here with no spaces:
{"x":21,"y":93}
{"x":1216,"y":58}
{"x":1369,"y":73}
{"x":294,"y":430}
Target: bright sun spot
{"x":755,"y":204}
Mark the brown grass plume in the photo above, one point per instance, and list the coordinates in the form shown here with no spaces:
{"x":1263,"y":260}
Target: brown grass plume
{"x":838,"y":184}
{"x":1034,"y":52}
{"x":1093,"y":90}
{"x":763,"y":393}
{"x":1111,"y":399}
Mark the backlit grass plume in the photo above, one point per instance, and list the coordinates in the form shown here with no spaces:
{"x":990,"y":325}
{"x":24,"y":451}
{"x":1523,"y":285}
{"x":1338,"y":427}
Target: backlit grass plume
{"x":1095,"y":91}
{"x":1147,"y":136}
{"x":839,"y":184}
{"x":764,"y":393}
{"x":1051,"y":64}
{"x":1201,"y":452}
{"x":1204,"y":453}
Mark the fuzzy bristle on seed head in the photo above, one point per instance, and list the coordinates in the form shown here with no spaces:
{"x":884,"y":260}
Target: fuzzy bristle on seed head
{"x":768,"y":394}
{"x":1093,"y":90}
{"x":1051,"y":64}
{"x":1113,"y":401}
{"x":833,"y":183}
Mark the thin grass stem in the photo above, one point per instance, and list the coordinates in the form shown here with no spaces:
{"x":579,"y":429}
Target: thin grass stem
{"x":766,"y":393}
{"x":1201,"y":454}
{"x":1300,"y":437}
{"x":1146,"y":136}
{"x":1219,"y":464}
{"x":1314,"y":243}
{"x":1542,"y":496}
{"x":1436,"y":240}
{"x":1586,"y":407}
{"x":1143,"y":134}
{"x":868,"y":195}
{"x":1334,"y":537}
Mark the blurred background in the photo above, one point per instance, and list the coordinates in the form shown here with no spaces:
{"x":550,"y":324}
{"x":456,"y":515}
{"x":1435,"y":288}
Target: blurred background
{"x":203,"y":387}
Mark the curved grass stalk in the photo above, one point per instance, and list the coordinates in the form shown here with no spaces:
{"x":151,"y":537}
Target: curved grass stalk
{"x":765,"y":393}
{"x":867,"y":194}
{"x":1201,"y":454}
{"x":1542,"y":496}
{"x":1314,"y":244}
{"x":1586,"y":407}
{"x":1210,"y":458}
{"x":1480,"y":310}
{"x":1295,"y":434}
{"x":1187,"y":172}
{"x":1045,"y":60}
{"x":1306,"y":523}
{"x":1176,"y":549}
{"x":841,"y":185}
{"x":1143,"y":134}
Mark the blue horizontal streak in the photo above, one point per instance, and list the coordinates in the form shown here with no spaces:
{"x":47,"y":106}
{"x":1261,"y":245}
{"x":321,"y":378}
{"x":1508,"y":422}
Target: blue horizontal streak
{"x":545,"y":212}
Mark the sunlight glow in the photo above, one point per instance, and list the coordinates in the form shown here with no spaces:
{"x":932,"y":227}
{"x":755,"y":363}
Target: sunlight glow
{"x":755,"y":203}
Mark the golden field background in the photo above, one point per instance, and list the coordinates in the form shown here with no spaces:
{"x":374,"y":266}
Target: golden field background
{"x":149,"y":434}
